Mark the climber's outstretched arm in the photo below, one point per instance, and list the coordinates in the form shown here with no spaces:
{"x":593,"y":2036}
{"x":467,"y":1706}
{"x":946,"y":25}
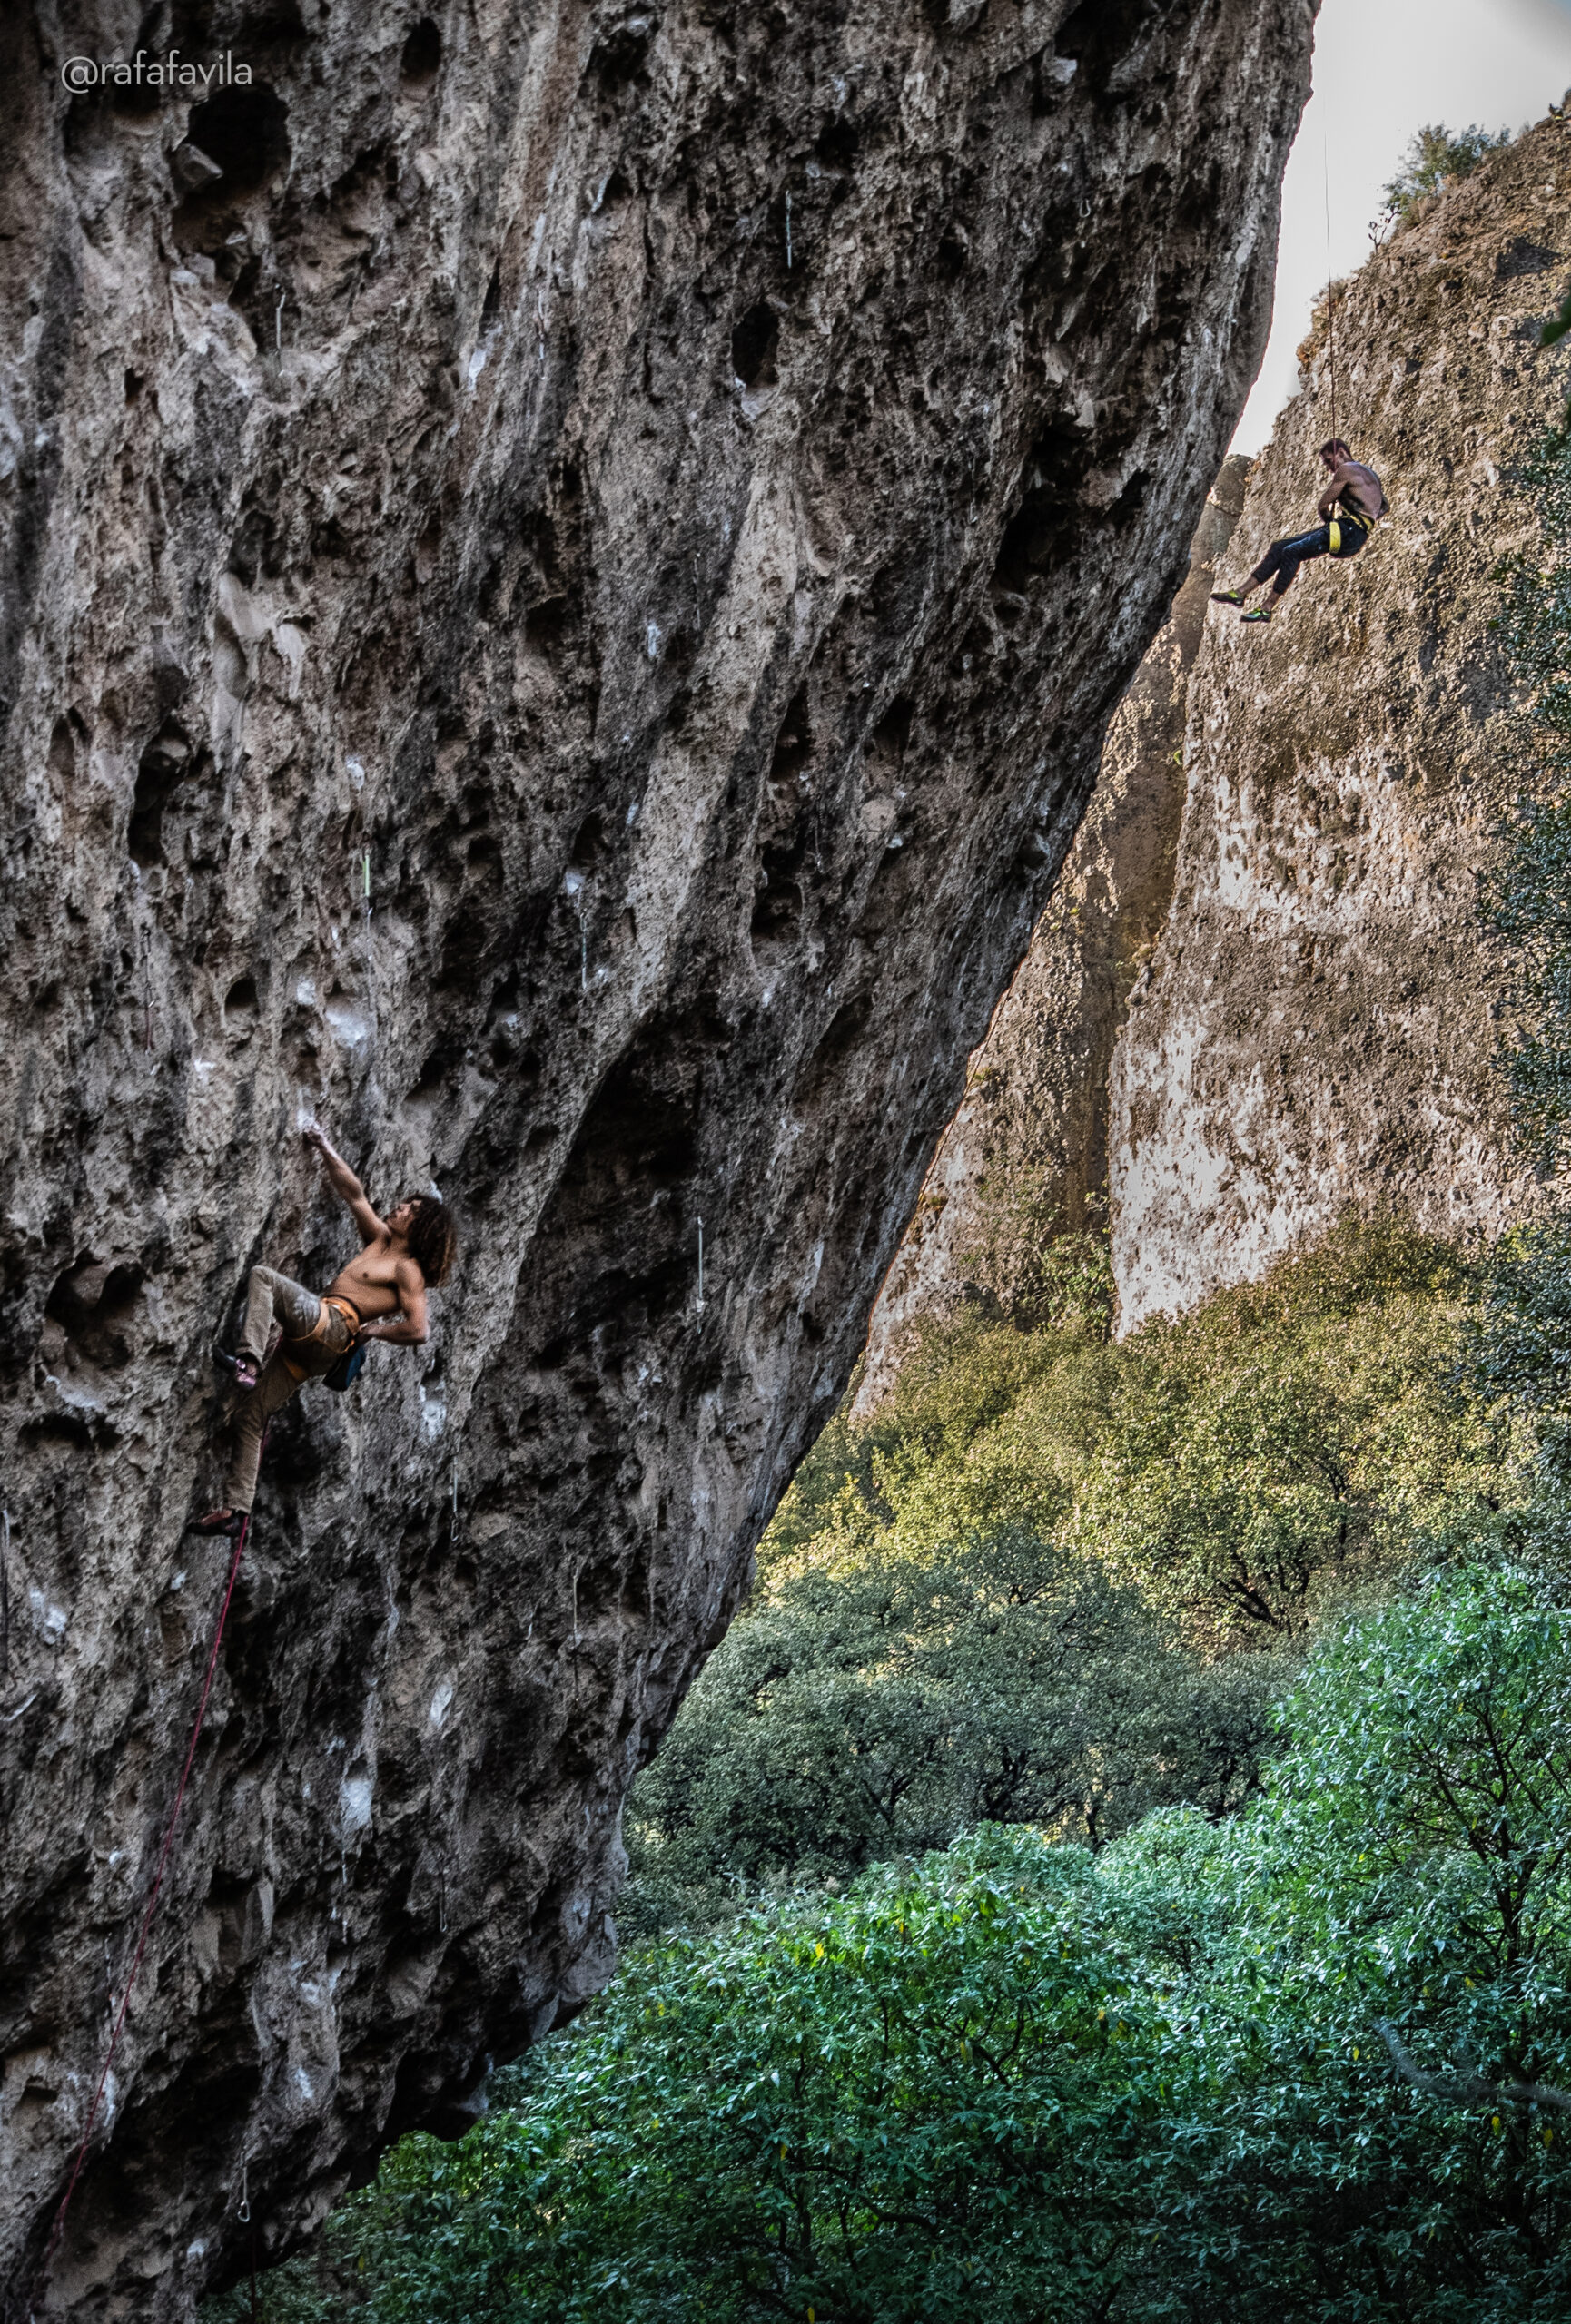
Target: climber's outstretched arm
{"x":348,"y":1187}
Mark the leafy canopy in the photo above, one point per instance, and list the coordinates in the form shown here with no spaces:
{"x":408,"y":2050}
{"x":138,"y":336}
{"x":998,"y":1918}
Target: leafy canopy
{"x":1057,"y":1581}
{"x":1017,"y":2080}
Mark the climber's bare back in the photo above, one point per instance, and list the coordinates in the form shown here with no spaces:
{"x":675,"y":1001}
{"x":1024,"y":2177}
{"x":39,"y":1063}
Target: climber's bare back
{"x":1357,"y":486}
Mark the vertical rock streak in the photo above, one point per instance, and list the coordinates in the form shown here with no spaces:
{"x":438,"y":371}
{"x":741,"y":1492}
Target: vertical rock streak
{"x":496,"y":656}
{"x":1026,"y":1154}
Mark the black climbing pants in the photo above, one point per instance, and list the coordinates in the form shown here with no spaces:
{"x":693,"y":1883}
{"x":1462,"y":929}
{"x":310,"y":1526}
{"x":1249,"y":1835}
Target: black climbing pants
{"x":1283,"y":558}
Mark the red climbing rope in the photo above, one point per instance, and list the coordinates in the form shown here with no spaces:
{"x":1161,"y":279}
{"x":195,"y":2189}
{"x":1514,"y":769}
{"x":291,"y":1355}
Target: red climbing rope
{"x":58,"y":2228}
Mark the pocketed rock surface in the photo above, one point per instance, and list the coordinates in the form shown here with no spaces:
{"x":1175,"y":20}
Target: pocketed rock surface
{"x":565,"y":571}
{"x":1322,"y":1020}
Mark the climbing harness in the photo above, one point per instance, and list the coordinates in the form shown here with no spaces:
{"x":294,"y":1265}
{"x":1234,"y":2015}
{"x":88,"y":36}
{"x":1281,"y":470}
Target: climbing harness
{"x":339,"y":1306}
{"x":346,"y":1371}
{"x":1366,"y":525}
{"x":58,"y":2230}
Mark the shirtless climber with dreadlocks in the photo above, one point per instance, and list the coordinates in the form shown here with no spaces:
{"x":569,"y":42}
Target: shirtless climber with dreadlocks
{"x":1350,"y":507}
{"x":379,"y":1296}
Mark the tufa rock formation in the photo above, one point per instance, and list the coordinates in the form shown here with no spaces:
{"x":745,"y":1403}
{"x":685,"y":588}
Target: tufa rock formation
{"x":1025,"y":1157}
{"x":1322,"y":1021}
{"x":565,"y":571}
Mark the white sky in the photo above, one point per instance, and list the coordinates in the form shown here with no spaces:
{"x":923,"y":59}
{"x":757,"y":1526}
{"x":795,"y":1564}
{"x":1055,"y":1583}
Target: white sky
{"x":1384,"y":69}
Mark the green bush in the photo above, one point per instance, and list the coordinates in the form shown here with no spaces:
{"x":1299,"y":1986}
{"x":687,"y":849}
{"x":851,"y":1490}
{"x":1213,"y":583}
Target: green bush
{"x":1435,"y":157}
{"x":1018,"y":1593}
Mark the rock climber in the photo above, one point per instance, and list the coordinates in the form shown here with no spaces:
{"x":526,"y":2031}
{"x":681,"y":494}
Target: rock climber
{"x":1350,"y":507}
{"x":379,"y":1296}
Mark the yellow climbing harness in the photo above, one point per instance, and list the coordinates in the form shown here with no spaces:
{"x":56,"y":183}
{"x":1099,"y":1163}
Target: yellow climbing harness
{"x":1349,"y":516}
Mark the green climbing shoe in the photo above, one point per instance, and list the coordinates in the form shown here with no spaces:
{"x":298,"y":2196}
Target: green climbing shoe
{"x":1225,"y":597}
{"x":1260,"y":613}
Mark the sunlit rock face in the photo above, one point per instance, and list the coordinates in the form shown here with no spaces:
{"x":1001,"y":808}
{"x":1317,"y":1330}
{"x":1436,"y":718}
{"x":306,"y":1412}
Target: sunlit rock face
{"x":1321,"y":1023}
{"x":567,"y":568}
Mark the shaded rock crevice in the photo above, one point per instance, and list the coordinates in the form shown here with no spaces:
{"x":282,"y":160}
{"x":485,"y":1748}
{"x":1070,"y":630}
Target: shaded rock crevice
{"x":1024,"y":1159}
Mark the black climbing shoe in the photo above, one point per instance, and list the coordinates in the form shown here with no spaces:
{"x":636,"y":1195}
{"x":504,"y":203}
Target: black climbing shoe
{"x":1260,"y":613}
{"x":229,"y":1523}
{"x":245,"y":1367}
{"x":1225,"y":597}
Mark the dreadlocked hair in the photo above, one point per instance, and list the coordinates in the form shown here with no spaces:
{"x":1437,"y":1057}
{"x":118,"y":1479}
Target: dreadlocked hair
{"x":433,"y":1240}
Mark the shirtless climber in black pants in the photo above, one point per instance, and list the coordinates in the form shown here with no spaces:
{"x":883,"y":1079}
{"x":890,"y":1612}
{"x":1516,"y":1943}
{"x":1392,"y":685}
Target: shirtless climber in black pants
{"x":1351,"y":505}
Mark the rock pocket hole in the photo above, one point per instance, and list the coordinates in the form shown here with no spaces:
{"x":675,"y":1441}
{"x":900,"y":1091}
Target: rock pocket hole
{"x":753,"y":345}
{"x":241,"y":1006}
{"x":777,"y":903}
{"x":888,"y":739}
{"x":161,"y":765}
{"x":432,"y":1079}
{"x":93,"y":1303}
{"x":793,"y":743}
{"x":421,"y":58}
{"x":243,"y":133}
{"x":1038,"y":535}
{"x":589,"y":846}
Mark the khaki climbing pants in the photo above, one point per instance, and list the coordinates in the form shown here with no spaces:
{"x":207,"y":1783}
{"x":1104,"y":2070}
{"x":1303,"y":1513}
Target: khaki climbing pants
{"x":270,"y":1294}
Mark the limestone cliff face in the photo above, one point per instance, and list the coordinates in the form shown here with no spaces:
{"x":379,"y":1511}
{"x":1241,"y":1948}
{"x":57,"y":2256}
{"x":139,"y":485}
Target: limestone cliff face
{"x":1026,"y":1153}
{"x":565,"y":566}
{"x":1320,"y":1025}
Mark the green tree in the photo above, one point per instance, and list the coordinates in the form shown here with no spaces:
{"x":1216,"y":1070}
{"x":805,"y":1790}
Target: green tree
{"x":1305,"y":2065}
{"x":1290,"y":1440}
{"x":1017,"y":1594}
{"x":1371,"y":2088}
{"x":1435,"y":157}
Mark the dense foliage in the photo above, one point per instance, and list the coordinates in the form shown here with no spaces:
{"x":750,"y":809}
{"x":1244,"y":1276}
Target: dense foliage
{"x":1020,"y":2079}
{"x":1059,"y":1581}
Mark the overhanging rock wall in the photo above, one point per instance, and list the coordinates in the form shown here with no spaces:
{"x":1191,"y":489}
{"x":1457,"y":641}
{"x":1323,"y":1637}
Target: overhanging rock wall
{"x":566,"y":569}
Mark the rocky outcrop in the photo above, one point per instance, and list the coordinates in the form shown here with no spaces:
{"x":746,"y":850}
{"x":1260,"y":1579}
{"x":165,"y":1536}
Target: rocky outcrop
{"x":567,"y":568}
{"x":1314,"y":1013}
{"x":1025,"y":1157}
{"x":1320,"y":1024}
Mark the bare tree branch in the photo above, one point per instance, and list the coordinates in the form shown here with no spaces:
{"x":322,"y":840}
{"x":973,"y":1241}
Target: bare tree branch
{"x":1468,"y":2089}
